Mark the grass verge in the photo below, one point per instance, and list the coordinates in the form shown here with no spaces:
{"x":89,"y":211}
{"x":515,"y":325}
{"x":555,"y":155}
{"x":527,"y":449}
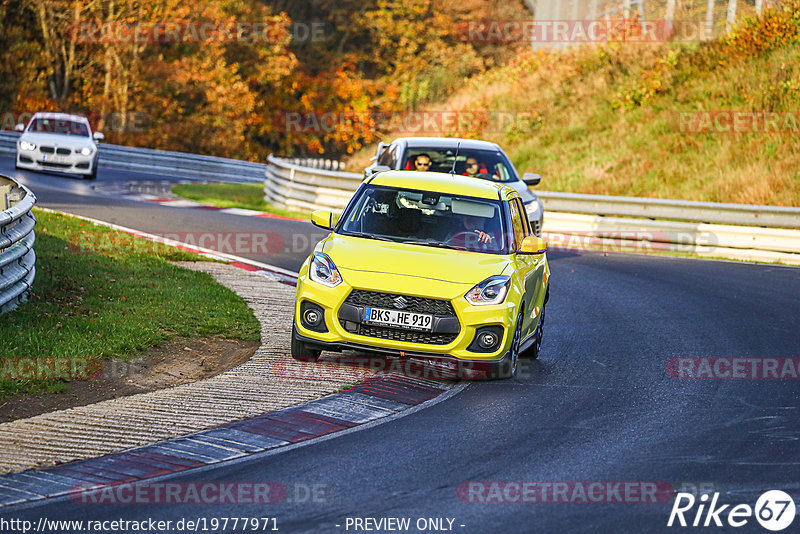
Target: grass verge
{"x":100,"y":294}
{"x":246,"y":196}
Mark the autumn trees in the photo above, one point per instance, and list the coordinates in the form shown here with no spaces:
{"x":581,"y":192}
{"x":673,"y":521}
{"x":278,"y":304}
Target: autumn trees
{"x":218,"y":77}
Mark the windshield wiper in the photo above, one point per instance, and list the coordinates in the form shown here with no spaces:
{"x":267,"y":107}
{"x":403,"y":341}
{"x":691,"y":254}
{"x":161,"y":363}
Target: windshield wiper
{"x":432,"y":243}
{"x":370,"y":236}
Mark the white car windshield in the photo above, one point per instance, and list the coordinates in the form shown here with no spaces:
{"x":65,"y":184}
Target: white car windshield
{"x":427,"y":218}
{"x":58,"y":126}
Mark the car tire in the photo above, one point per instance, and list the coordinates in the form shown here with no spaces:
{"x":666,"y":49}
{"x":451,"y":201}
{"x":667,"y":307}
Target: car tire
{"x":301,"y":352}
{"x":92,"y":175}
{"x":508,"y":367}
{"x":532,"y":352}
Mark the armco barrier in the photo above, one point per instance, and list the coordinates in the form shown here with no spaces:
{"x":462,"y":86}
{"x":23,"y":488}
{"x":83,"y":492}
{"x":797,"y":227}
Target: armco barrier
{"x":17,"y":258}
{"x":678,"y":210}
{"x":164,"y":162}
{"x":294,"y":187}
{"x":736,"y":231}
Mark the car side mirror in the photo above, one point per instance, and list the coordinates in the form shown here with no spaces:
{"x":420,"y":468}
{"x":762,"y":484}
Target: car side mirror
{"x":533,"y":245}
{"x":98,"y":136}
{"x":322,"y":219}
{"x":378,"y":152}
{"x":380,"y":168}
{"x":19,"y":128}
{"x":531,"y":178}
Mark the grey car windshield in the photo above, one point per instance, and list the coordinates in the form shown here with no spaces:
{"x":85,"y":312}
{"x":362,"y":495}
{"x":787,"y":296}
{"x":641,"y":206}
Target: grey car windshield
{"x":427,"y":218}
{"x":486,"y":164}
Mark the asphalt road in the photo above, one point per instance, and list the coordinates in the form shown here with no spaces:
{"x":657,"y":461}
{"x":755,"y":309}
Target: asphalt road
{"x":597,"y":406}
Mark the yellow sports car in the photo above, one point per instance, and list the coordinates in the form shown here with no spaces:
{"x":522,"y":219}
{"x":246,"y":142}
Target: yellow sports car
{"x":426,"y":265}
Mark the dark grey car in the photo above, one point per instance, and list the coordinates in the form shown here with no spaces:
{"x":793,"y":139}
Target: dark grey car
{"x":487,"y":161}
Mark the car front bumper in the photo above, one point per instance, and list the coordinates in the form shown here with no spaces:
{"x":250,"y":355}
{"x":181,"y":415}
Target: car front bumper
{"x":337,"y":337}
{"x":72,"y":164}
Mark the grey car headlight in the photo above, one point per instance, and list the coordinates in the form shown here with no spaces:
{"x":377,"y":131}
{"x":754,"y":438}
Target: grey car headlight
{"x":534,"y":209}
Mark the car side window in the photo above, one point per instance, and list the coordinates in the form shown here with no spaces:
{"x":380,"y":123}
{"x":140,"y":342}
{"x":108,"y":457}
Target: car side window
{"x":516,"y":223}
{"x":526,"y":223}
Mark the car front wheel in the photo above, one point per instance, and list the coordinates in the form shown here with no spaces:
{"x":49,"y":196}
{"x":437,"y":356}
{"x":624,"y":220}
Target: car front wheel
{"x":300,"y":350}
{"x":508,"y":367}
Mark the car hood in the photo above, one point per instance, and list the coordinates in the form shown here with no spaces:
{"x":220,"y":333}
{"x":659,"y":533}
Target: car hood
{"x":50,"y":139}
{"x":367,"y":263}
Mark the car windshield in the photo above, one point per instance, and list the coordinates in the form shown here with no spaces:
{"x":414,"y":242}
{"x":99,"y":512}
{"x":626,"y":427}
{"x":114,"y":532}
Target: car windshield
{"x":487,"y":164}
{"x":427,"y":218}
{"x":58,"y":126}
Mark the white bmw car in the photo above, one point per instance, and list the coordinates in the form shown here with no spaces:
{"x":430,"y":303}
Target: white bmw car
{"x":58,"y":142}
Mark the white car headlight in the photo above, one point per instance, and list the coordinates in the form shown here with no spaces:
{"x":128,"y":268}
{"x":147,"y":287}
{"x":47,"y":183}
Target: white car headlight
{"x":323,"y":271}
{"x":24,"y":145}
{"x":87,"y":151}
{"x":493,"y":290}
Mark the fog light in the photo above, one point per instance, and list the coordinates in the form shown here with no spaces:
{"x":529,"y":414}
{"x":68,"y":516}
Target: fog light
{"x":487,"y":340}
{"x":312,"y":317}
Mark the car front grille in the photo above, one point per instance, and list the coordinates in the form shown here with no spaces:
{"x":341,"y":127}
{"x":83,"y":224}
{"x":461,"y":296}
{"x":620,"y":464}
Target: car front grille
{"x":47,"y":149}
{"x":362,"y":297}
{"x":436,"y":307}
{"x":63,"y":151}
{"x":408,"y":336}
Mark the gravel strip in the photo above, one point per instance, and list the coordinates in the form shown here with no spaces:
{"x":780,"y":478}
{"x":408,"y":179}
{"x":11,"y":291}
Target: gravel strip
{"x":252,"y":388}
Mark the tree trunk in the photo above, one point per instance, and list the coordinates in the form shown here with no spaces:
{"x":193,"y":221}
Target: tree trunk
{"x":709,"y":19}
{"x":670,"y":16}
{"x":731,"y":20}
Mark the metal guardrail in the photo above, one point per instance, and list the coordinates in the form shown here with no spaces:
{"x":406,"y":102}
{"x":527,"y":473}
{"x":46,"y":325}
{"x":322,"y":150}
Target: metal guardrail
{"x":164,"y":162}
{"x":292,"y":186}
{"x":739,"y":231}
{"x":17,"y":258}
{"x":677,"y":210}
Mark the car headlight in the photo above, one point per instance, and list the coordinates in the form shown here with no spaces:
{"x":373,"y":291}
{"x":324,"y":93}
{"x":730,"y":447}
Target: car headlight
{"x":493,"y":290}
{"x":534,"y":209}
{"x":323,"y":271}
{"x":87,"y":151}
{"x":24,"y":145}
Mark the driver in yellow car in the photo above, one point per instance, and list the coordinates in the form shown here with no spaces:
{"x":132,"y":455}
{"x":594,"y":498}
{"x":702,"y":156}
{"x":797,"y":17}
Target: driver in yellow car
{"x":475,"y":225}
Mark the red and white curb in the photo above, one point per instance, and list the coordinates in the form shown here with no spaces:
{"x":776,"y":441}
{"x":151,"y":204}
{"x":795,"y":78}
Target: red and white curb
{"x":160,"y":194}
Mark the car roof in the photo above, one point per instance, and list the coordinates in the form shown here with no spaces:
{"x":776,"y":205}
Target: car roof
{"x":59,"y":116}
{"x":453,"y":184}
{"x":447,"y":142}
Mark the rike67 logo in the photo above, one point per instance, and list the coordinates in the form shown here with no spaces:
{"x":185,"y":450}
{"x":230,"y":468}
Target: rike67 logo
{"x":774,"y":510}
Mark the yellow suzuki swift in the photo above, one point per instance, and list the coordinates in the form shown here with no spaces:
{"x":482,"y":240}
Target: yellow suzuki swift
{"x":426,"y":265}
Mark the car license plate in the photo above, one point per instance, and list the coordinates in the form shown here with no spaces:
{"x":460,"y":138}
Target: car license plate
{"x":398,"y":318}
{"x":51,"y":158}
